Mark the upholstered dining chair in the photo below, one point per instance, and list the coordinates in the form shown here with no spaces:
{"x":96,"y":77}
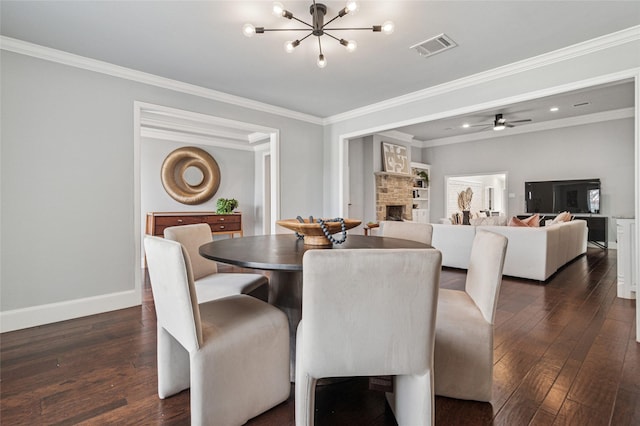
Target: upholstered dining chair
{"x":211,"y":284}
{"x":420,"y":232}
{"x":369,"y":312}
{"x":232,"y":352}
{"x":464,"y":326}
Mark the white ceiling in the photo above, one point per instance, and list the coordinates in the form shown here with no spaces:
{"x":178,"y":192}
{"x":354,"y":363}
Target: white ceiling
{"x":201,"y":42}
{"x":604,"y":102}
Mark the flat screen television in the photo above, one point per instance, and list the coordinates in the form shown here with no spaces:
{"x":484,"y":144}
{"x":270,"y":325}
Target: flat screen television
{"x":555,"y":196}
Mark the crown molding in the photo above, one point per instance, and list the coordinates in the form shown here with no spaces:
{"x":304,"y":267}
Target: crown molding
{"x":529,"y":128}
{"x":594,"y":45}
{"x":584,"y":48}
{"x":177,"y":136}
{"x":48,"y":54}
{"x":395,"y":134}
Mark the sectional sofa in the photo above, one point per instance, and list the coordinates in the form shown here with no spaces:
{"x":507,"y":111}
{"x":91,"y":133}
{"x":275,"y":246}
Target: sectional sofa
{"x":534,"y":253}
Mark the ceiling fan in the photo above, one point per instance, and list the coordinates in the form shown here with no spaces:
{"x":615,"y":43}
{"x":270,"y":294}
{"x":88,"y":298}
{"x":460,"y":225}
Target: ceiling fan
{"x":500,"y":123}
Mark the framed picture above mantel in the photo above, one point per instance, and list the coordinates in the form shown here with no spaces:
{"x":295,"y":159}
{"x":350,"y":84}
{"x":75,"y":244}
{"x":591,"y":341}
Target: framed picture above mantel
{"x":395,"y":158}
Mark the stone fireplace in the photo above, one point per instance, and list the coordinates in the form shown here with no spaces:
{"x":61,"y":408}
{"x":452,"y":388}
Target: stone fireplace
{"x":394,"y":196}
{"x":395,"y":213}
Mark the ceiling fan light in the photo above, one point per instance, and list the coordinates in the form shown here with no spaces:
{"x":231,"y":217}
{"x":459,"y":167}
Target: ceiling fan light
{"x":322,"y":62}
{"x":248,"y":30}
{"x":388,"y":27}
{"x":499,"y":127}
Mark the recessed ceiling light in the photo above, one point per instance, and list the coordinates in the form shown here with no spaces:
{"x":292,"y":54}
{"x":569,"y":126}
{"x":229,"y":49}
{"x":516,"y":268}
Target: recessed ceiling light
{"x":554,"y":109}
{"x":465,"y":126}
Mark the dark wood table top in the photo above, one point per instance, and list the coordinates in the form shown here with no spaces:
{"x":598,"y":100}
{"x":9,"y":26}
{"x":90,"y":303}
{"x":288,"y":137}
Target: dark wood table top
{"x":283,"y":252}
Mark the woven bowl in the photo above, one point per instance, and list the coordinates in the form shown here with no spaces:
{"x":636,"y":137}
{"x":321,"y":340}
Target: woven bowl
{"x":313,"y":235}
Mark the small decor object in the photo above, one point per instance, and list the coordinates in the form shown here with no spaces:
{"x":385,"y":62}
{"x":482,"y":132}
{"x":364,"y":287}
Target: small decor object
{"x":464,"y":203}
{"x":425,"y":177}
{"x":395,"y":158}
{"x":319,"y":232}
{"x":190,"y":175}
{"x":226,"y":205}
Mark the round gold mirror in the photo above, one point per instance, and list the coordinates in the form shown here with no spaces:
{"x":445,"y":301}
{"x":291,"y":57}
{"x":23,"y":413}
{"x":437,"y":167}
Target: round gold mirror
{"x":193,"y":176}
{"x":190,"y":175}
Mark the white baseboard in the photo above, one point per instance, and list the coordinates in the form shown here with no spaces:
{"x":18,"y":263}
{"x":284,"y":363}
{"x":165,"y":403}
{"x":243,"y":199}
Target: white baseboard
{"x":18,"y":319}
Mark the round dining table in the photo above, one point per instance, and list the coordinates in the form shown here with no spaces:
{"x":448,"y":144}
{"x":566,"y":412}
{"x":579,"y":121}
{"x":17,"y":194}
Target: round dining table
{"x":282,"y":254}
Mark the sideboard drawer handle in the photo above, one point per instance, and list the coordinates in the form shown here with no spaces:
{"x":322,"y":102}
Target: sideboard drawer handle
{"x":222,"y":219}
{"x":221,"y":226}
{"x":179,"y":220}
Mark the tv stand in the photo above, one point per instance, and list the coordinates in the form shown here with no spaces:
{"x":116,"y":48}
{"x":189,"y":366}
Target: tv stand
{"x":598,"y":227}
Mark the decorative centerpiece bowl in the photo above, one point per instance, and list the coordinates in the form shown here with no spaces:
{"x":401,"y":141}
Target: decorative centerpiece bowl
{"x":312,"y":231}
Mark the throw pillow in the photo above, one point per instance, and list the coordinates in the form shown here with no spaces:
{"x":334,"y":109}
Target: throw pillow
{"x":533,"y":220}
{"x":562,"y":217}
{"x":517,"y":222}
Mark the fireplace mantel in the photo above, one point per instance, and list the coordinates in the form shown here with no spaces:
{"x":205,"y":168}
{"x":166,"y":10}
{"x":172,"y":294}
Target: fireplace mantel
{"x":396,"y":175}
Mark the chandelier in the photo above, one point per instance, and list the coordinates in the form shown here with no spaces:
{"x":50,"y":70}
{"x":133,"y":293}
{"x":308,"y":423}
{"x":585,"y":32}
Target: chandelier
{"x":318,"y":27}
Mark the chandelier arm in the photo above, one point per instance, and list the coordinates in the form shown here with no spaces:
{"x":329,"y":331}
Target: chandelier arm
{"x":335,"y":38}
{"x":285,"y":29}
{"x":305,"y":37}
{"x":350,"y":29}
{"x":302,"y":22}
{"x":334,"y":18}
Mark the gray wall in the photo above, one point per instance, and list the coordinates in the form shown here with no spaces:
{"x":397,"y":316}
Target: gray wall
{"x":68,"y":184}
{"x":602,"y":150}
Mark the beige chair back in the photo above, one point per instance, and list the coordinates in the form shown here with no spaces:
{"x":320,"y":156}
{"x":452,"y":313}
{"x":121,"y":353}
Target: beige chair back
{"x":484,"y":275}
{"x":369,"y":312}
{"x":420,"y":232}
{"x":192,"y":237}
{"x":173,"y":291}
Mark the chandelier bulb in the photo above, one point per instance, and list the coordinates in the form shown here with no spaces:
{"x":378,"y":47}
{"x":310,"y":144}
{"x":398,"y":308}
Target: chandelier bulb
{"x":278,"y":8}
{"x":388,"y":27}
{"x":248,"y":30}
{"x":352,"y":6}
{"x":290,"y":45}
{"x":350,"y":45}
{"x":322,"y":62}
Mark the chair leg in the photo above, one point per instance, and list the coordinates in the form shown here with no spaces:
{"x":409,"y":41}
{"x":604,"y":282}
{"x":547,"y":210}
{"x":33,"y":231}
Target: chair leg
{"x":305,"y":390}
{"x":173,"y":365}
{"x":412,"y":399}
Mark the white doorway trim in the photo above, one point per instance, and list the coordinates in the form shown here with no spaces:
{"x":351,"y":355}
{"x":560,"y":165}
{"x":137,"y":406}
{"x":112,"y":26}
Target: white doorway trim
{"x":141,"y":109}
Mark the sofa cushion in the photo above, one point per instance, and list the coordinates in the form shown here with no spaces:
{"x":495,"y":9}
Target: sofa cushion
{"x":492,"y":220}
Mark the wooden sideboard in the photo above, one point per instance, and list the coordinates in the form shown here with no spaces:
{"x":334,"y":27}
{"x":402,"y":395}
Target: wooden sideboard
{"x":230,"y":224}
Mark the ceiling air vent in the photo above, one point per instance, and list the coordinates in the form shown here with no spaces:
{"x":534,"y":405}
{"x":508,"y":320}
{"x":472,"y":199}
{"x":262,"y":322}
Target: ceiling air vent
{"x":434,"y":45}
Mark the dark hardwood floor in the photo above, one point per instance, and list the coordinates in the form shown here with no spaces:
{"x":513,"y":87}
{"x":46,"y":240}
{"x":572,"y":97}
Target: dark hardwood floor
{"x":565,"y":354}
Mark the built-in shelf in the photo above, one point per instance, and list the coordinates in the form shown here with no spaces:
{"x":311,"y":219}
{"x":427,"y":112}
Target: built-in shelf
{"x":421,"y":193}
